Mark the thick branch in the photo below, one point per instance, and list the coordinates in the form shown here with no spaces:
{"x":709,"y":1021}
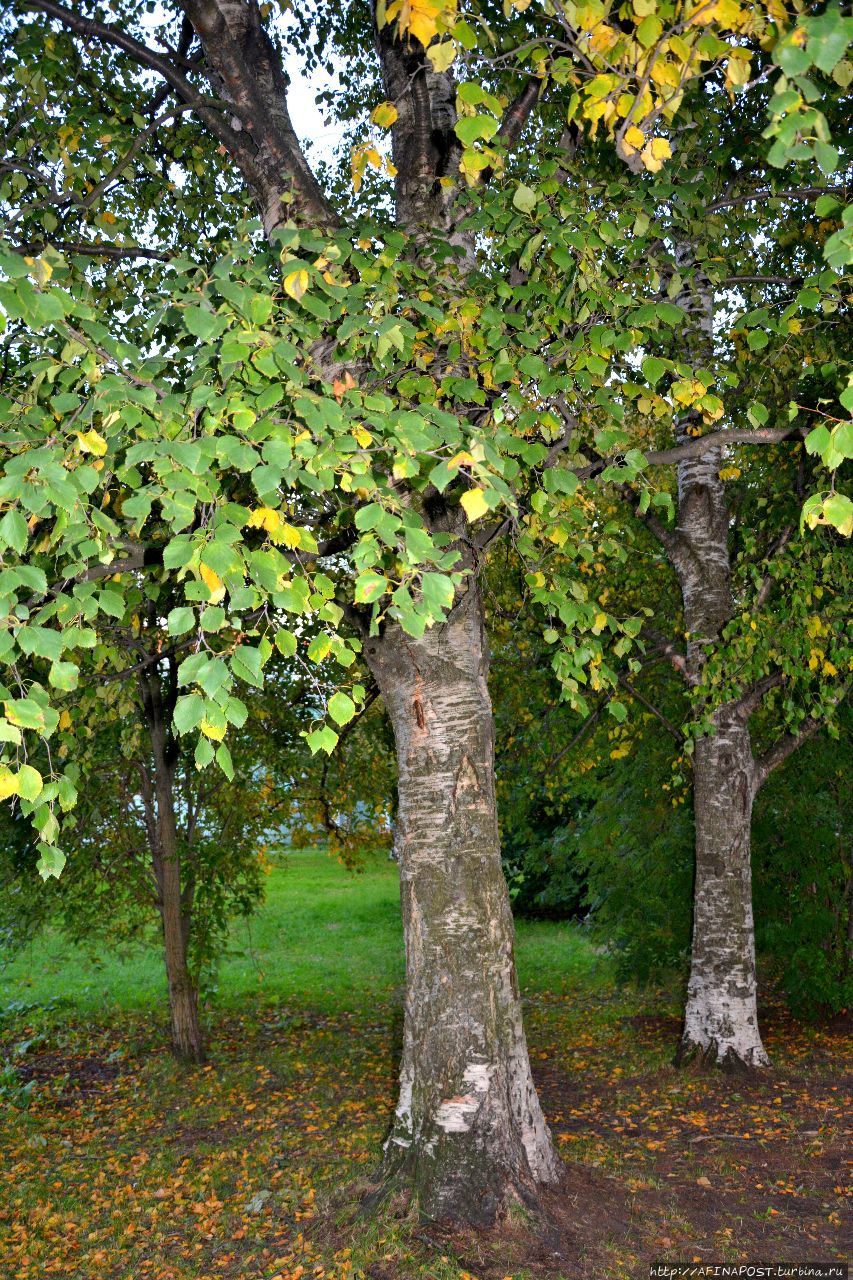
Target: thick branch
{"x":701,"y":445}
{"x":242,"y":59}
{"x":110,"y":33}
{"x":781,"y":749}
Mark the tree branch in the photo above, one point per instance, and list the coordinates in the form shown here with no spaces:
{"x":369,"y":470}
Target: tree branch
{"x":110,"y":33}
{"x":798,"y":193}
{"x":781,"y":749}
{"x":650,"y":706}
{"x":700,"y":445}
{"x":241,"y":57}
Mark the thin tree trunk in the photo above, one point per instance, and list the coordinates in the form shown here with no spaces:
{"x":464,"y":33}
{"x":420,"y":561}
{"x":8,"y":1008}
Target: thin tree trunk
{"x":721,"y":1014}
{"x":721,"y":1018}
{"x":468,"y":1137}
{"x":187,"y":1038}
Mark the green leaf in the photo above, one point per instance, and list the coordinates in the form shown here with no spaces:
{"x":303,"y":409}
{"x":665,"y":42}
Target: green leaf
{"x":64,"y":675}
{"x":525,"y":198}
{"x":618,"y":710}
{"x":113,"y":603}
{"x":223,"y":759}
{"x":830,"y":35}
{"x":653,"y":369}
{"x":827,"y":156}
{"x":42,"y":642}
{"x":247,"y":663}
{"x":51,"y":861}
{"x":369,"y":586}
{"x":838,"y":511}
{"x":817,"y":440}
{"x":180,"y":621}
{"x":285,"y":642}
{"x":30,"y":782}
{"x":669,"y":313}
{"x":189,"y":712}
{"x":649,"y":30}
{"x":324,"y":739}
{"x":202,"y":323}
{"x":14,"y":532}
{"x":341,"y":708}
{"x":469,"y":128}
{"x":438,"y":592}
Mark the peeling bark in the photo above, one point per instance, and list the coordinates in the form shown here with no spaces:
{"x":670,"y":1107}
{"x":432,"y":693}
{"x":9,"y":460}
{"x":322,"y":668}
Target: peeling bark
{"x":721,"y":1016}
{"x":468,"y":1137}
{"x":721,"y":1013}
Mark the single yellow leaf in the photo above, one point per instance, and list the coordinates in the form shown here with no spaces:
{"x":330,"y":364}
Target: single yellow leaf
{"x":91,"y":442}
{"x":384,"y":115}
{"x":296,"y":284}
{"x":8,"y":783}
{"x":213,"y":582}
{"x":634,"y":138}
{"x":474,"y":504}
{"x":287,"y":534}
{"x":441,"y":55}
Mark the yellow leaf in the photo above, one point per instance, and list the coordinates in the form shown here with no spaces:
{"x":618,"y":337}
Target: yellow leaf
{"x":634,"y":138}
{"x":441,"y":55}
{"x":737,"y":72}
{"x":829,"y":669}
{"x":654,"y":154}
{"x":41,"y":269}
{"x":288,"y":534}
{"x":296,"y":284}
{"x":363,"y":436}
{"x":215,"y":731}
{"x":384,"y":115}
{"x":474,"y":504}
{"x":420,"y":19}
{"x":213,"y":582}
{"x":65,"y":720}
{"x":603,"y":38}
{"x":91,"y":442}
{"x":8,"y":783}
{"x":264,"y":518}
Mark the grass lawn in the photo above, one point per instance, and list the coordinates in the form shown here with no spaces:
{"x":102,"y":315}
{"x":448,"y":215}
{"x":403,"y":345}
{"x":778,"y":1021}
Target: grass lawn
{"x":119,"y":1166}
{"x":325,"y":939}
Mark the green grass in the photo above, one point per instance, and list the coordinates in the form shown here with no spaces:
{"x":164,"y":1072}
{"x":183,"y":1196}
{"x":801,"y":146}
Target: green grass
{"x":325,"y":938}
